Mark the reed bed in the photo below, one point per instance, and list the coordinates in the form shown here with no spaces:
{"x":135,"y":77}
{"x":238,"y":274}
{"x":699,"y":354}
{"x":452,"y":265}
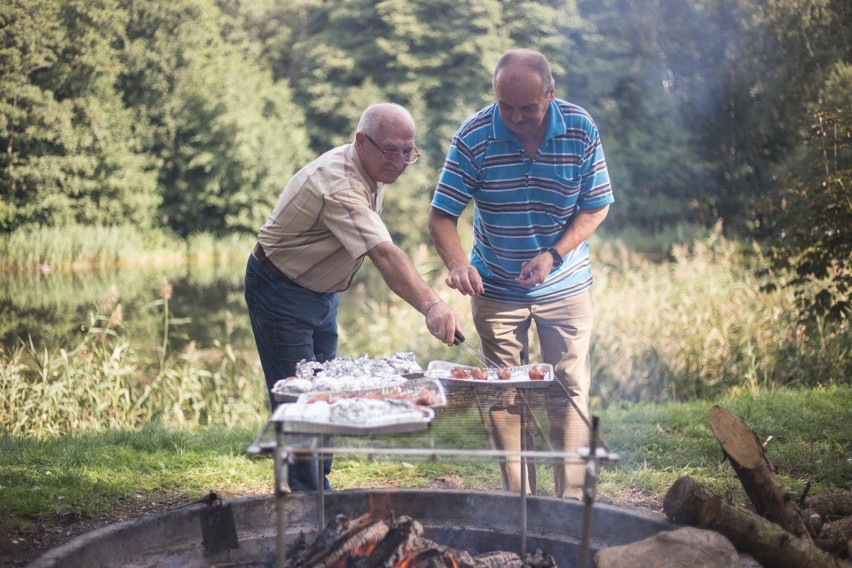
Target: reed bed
{"x":82,"y":246}
{"x":700,"y":325}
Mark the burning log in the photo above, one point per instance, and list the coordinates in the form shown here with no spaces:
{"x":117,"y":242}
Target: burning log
{"x":358,"y":534}
{"x":394,"y":547}
{"x":362,"y":543}
{"x":757,"y":473}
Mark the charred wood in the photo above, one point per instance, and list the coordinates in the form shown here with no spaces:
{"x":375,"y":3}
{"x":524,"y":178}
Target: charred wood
{"x":359,"y":536}
{"x":395,"y":545}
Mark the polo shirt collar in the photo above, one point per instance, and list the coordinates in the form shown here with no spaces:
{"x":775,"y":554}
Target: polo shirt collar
{"x":555,"y":123}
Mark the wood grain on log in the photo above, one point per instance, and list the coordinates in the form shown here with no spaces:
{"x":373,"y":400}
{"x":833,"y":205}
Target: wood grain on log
{"x":767,"y":542}
{"x":757,"y":473}
{"x":683,"y":501}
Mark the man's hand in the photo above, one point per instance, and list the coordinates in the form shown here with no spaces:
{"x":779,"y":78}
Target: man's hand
{"x":442,"y":322}
{"x":466,"y":279}
{"x":535,"y":271}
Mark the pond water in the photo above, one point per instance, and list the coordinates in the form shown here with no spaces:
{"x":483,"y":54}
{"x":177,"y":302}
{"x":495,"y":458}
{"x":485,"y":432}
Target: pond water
{"x":54,"y":309}
{"x":206,"y":305}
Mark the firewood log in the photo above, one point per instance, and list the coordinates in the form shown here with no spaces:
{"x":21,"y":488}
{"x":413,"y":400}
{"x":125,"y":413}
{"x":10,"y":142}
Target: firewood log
{"x":767,"y":542}
{"x":834,"y":537}
{"x":683,"y":501}
{"x":757,"y":473}
{"x":831,"y":505}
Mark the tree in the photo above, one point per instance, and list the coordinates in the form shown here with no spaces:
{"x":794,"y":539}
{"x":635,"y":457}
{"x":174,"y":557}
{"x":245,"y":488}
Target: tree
{"x":228,"y":137}
{"x":813,"y":220}
{"x":69,"y":152}
{"x":623,"y":70}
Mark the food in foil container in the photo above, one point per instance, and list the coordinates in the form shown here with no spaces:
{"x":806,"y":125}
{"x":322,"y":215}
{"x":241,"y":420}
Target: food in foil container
{"x":496,"y":376}
{"x":356,"y":411}
{"x":345,"y":374}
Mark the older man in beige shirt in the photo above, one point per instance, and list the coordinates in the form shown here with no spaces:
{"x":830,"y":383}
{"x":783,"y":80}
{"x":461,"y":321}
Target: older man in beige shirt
{"x":326,"y":221}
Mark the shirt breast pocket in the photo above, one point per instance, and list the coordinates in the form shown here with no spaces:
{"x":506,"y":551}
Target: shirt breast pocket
{"x":568,"y":186}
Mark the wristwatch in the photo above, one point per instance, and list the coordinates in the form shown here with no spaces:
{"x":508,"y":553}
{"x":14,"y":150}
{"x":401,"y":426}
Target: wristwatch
{"x":557,"y":258}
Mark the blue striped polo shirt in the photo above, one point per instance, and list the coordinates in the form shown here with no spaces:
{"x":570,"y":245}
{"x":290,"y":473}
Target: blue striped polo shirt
{"x":522,"y":206}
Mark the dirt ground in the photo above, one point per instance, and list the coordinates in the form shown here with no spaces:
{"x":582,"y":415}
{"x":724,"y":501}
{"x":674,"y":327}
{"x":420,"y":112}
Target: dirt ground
{"x":20,"y":547}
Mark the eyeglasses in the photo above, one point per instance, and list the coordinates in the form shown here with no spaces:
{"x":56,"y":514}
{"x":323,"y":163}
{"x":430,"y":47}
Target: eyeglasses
{"x":394,"y":155}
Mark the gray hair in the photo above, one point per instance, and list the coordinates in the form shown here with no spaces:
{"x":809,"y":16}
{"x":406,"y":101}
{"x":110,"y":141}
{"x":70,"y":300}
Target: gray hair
{"x":372,"y":117}
{"x":529,"y":58}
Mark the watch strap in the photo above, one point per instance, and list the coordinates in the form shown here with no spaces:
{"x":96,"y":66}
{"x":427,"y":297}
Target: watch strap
{"x":557,"y":258}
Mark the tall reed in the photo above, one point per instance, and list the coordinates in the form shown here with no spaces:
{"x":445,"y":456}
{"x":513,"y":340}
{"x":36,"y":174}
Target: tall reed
{"x":701,"y":325}
{"x":104,"y":383}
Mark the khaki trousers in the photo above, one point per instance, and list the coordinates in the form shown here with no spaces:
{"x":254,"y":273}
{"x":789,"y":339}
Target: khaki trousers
{"x":564,"y":331}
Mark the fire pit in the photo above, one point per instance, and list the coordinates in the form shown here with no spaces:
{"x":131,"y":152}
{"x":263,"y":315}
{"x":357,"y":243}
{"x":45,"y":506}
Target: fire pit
{"x":242,"y":532}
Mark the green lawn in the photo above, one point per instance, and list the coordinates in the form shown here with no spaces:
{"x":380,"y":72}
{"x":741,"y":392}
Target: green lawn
{"x":88,"y":475}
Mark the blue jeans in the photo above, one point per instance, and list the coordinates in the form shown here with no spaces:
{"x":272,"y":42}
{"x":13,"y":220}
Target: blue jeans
{"x":290,"y":323}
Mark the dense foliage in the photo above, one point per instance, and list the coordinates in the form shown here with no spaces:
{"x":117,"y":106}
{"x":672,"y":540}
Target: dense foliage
{"x":190,"y":115}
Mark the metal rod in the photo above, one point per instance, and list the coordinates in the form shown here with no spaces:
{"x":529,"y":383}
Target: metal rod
{"x":280,"y":460}
{"x":320,"y":461}
{"x":589,"y":493}
{"x":524,"y":472}
{"x":485,"y":427}
{"x":581,"y":414}
{"x":602,"y":455}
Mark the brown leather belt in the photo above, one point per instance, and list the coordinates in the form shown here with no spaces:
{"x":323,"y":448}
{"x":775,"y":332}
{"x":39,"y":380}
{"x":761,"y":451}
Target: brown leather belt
{"x":261,"y":257}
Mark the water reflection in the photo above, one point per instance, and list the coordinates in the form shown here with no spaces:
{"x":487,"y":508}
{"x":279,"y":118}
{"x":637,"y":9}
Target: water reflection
{"x":53,"y":310}
{"x":206,"y":304}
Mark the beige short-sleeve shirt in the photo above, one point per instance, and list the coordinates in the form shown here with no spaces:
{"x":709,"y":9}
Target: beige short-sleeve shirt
{"x":325,"y":221}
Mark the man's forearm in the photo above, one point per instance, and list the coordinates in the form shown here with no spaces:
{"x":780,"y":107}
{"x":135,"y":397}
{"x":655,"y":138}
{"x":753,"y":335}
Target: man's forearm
{"x":443,"y":229}
{"x":583,"y":226}
{"x":401,"y":275}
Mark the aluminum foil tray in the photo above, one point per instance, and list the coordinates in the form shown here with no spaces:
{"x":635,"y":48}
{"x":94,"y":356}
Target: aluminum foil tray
{"x":355,"y":383}
{"x":441,"y":370}
{"x":406,"y":391}
{"x":379,"y":426}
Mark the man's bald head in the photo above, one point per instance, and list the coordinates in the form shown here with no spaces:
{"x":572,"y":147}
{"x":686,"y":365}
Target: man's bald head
{"x":518,"y":61}
{"x":377,"y":116}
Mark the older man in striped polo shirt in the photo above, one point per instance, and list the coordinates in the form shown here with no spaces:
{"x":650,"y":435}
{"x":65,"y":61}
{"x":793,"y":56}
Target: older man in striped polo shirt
{"x":534,"y":167}
{"x":326,"y":221}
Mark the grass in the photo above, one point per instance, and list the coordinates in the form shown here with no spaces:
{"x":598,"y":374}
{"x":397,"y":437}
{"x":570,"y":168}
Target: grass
{"x":86,"y":475}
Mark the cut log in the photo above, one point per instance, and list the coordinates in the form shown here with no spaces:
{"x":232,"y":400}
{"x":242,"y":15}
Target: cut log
{"x":834,"y":537}
{"x":757,"y":473}
{"x":683,"y":501}
{"x":767,"y":542}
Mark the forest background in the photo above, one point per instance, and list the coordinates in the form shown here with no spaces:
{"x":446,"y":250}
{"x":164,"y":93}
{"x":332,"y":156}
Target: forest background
{"x":189,"y":116}
{"x":144,"y":132}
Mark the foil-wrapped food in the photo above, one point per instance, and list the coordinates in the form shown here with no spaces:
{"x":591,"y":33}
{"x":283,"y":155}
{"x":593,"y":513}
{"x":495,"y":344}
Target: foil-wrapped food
{"x":346,"y":374}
